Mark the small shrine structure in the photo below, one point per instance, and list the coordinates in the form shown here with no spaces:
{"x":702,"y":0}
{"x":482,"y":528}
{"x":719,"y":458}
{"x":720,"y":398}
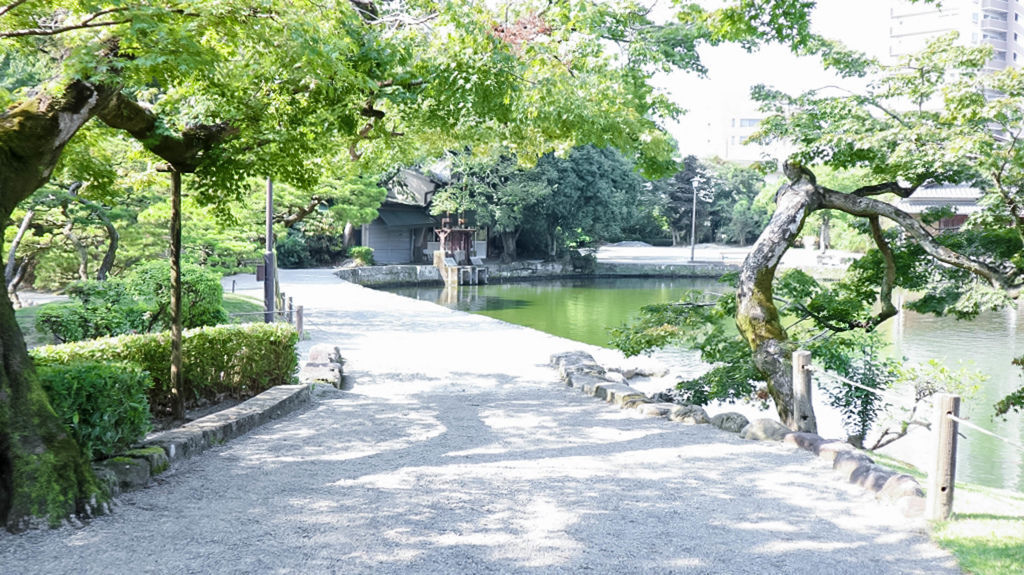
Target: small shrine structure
{"x":456,"y":260}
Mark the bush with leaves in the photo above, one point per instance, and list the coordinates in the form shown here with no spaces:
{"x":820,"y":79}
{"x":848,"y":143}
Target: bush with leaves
{"x":104,"y":405}
{"x":236,"y":361}
{"x":201,"y":294}
{"x":362,"y":254}
{"x":97,"y":309}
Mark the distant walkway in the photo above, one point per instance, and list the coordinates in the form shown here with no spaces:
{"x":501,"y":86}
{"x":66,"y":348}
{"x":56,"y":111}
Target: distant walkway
{"x":458,"y":451}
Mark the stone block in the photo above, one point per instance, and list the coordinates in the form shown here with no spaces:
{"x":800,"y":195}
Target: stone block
{"x":131,"y":473}
{"x":156,"y":456}
{"x":636,"y":402}
{"x":846,"y":464}
{"x":108,"y":479}
{"x":806,"y":441}
{"x":871,"y":477}
{"x":617,"y":393}
{"x":585,"y":382}
{"x":330,"y":373}
{"x":324,"y":353}
{"x":730,"y":421}
{"x":692,"y":414}
{"x":575,"y":362}
{"x":764,"y":430}
{"x":655,"y":409}
{"x":900,"y":485}
{"x":829,"y":450}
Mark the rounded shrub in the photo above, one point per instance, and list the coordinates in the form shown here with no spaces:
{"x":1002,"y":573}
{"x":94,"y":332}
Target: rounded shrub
{"x":201,"y":294}
{"x":104,"y":405}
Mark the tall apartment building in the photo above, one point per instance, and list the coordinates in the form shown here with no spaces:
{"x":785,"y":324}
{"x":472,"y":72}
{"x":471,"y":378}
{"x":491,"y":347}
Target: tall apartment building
{"x":997,"y":23}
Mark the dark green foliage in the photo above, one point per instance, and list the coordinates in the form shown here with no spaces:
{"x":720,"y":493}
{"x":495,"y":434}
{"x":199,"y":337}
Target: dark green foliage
{"x":98,"y":309}
{"x":292,"y":252}
{"x":234,"y":361}
{"x":726,"y":210}
{"x":139,"y":303}
{"x":362,"y":254}
{"x":702,"y":325}
{"x":104,"y":405}
{"x":201,"y":294}
{"x":314,"y":242}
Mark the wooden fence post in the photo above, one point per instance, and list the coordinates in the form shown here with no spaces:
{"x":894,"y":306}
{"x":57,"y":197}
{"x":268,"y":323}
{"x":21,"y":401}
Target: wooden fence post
{"x":291,"y":309}
{"x":298,"y":320}
{"x":803,"y":409}
{"x":943,"y":475}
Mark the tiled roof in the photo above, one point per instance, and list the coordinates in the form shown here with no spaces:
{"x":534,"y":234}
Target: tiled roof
{"x":963,"y":199}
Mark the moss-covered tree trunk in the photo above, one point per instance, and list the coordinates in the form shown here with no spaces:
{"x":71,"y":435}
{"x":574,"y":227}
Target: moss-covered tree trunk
{"x":756,"y":315}
{"x":43,"y":473}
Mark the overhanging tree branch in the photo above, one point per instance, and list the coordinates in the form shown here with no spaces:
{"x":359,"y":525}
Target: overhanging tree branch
{"x":867,"y":207}
{"x":183,"y":151}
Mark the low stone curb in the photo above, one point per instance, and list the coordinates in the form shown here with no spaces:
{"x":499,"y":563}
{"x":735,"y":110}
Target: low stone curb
{"x":579,"y":370}
{"x":158,"y":451}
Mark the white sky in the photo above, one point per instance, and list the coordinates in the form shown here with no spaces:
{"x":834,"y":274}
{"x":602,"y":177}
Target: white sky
{"x":724,"y":93}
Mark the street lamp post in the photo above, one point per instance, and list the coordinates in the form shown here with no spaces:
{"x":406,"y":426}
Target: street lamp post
{"x":269,"y":273}
{"x":695,"y":182}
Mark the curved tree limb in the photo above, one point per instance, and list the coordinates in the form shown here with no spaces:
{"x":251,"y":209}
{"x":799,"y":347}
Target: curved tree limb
{"x":888,"y":279}
{"x":867,"y":207}
{"x":11,"y":265}
{"x":183,"y":151}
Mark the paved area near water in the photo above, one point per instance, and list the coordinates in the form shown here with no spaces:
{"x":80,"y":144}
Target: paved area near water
{"x":457,"y":450}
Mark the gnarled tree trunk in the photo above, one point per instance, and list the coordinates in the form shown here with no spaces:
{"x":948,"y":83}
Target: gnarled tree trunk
{"x":756,"y":315}
{"x":42,"y":471}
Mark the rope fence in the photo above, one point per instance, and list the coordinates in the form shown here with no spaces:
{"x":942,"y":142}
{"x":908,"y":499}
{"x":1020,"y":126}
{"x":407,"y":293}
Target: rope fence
{"x":982,"y":430}
{"x":942,"y":476}
{"x":884,"y":394}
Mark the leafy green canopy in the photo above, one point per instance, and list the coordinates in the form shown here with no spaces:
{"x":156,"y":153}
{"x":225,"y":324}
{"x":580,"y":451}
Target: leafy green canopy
{"x":936,"y":118}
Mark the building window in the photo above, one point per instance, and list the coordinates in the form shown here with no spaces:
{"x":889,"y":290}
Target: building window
{"x":1014,"y":56}
{"x":999,"y":55}
{"x":749,"y":122}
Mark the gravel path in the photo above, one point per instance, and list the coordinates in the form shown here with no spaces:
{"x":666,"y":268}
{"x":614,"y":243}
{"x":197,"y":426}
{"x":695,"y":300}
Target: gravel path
{"x":457,"y":451}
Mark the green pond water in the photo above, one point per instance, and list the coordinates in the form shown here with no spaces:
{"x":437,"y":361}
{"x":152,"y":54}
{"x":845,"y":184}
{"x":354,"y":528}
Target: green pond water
{"x":584,"y":310}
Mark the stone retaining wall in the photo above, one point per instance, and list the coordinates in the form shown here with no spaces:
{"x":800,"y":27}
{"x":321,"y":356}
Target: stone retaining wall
{"x":407,"y":275}
{"x":393,"y":275}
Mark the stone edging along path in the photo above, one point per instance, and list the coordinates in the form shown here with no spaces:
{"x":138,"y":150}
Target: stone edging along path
{"x":133,"y":470}
{"x":579,"y":370}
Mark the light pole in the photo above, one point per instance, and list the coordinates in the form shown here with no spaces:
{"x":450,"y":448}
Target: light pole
{"x":695,"y":182}
{"x":269,"y":273}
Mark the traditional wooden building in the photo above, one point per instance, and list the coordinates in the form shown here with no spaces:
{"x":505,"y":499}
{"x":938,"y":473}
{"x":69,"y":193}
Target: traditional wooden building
{"x":963,"y":200}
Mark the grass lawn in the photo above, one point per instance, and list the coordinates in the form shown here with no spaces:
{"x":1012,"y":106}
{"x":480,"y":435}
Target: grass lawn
{"x":986,"y":531}
{"x":240,"y":304}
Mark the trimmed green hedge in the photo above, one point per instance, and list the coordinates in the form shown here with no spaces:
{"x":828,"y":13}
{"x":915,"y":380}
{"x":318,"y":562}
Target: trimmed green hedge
{"x":236,"y":361}
{"x":102,"y":404}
